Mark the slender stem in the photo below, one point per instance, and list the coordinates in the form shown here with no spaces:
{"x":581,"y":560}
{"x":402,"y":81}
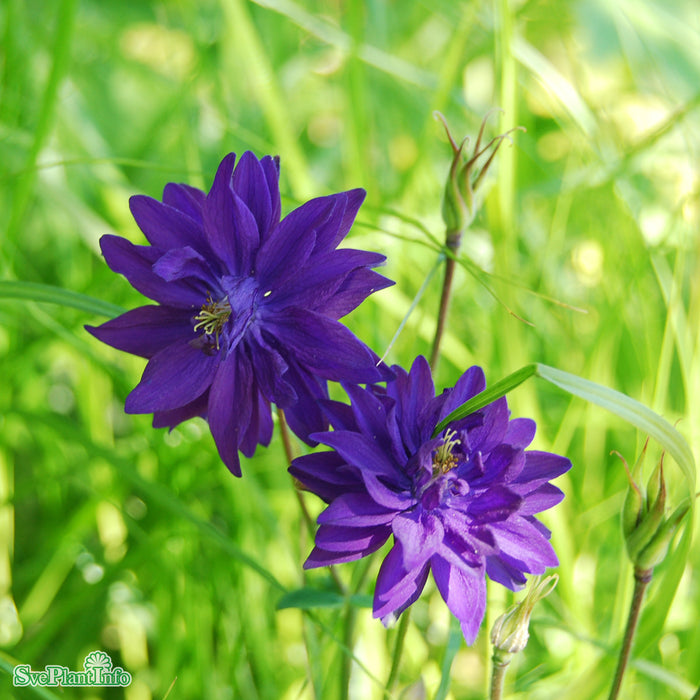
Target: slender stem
{"x":642,"y":577}
{"x":498,"y":674}
{"x":308,"y":520}
{"x":398,"y":650}
{"x":348,"y":640}
{"x":452,"y":242}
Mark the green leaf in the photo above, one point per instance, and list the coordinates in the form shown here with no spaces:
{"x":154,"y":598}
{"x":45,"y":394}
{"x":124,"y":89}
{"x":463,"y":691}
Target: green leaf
{"x":49,"y":294}
{"x":632,"y":411}
{"x":310,"y":598}
{"x":617,"y":403}
{"x":487,"y":396}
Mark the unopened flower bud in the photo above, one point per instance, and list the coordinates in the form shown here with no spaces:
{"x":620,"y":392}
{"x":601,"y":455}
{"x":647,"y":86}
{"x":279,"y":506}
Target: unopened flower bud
{"x":510,"y":632}
{"x":657,"y":549}
{"x":646,"y":529}
{"x":465,"y":177}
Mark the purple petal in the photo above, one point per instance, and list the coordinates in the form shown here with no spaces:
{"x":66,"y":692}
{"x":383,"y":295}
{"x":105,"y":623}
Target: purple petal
{"x":314,"y":285}
{"x":464,"y":593}
{"x":338,"y":538}
{"x":271,"y":169}
{"x":259,"y":431}
{"x":541,"y":467}
{"x":326,"y":474}
{"x":356,"y":510}
{"x":173,"y":377}
{"x":413,"y":391}
{"x":146,"y":330}
{"x":396,"y":500}
{"x":337,"y":227}
{"x":493,"y":429}
{"x":522,"y":541}
{"x":506,"y":571}
{"x":520,"y":433}
{"x":468,"y":385}
{"x":305,"y":416}
{"x":250,"y":184}
{"x":325,"y":346}
{"x":362,"y":452}
{"x":269,"y":368}
{"x":396,"y":587}
{"x":164,"y":226}
{"x":179,"y":263}
{"x":135,"y":263}
{"x":495,"y":504}
{"x":542,"y":498}
{"x":375,"y":422}
{"x":284,"y":252}
{"x":322,"y":557}
{"x":188,"y":200}
{"x":169,"y":419}
{"x":420,"y":534}
{"x":230,"y":408}
{"x":358,"y":285}
{"x":218,"y":215}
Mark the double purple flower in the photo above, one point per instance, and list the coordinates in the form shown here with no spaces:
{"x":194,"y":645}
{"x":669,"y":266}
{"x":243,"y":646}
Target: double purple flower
{"x":248,"y":305}
{"x":461,"y":504}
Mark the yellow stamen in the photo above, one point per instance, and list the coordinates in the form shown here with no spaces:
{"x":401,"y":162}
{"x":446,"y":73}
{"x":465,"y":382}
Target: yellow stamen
{"x":444,"y":460}
{"x":212,"y":317}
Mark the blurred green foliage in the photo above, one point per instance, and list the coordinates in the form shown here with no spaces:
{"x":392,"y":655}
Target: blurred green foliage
{"x":117,"y":537}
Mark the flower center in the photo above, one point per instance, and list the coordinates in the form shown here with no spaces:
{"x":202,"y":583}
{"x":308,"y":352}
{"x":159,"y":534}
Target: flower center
{"x":212,"y":317}
{"x":443,"y":459}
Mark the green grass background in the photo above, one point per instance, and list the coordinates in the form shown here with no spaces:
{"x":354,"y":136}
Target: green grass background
{"x":117,"y":537}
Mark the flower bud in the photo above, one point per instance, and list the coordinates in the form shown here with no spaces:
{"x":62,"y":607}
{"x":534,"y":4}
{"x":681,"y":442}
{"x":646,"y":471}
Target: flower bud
{"x":646,"y":529}
{"x":459,"y":204}
{"x":510,"y":632}
{"x":657,"y":549}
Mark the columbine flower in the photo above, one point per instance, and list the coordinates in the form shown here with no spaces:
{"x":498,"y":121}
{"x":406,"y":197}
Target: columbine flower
{"x":248,"y":305}
{"x":461,"y":504}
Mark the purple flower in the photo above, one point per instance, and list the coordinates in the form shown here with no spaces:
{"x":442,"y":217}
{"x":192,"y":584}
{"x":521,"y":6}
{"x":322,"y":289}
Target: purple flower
{"x":461,"y":504}
{"x":248,"y":305}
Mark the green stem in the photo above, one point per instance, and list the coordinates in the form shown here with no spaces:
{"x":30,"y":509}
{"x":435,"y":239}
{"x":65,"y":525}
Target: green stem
{"x":498,"y":673}
{"x":308,"y":520}
{"x":398,"y":650}
{"x":452,"y":243}
{"x":642,"y":578}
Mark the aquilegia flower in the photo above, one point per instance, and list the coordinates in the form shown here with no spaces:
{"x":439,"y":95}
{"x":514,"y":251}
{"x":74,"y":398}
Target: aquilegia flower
{"x":248,"y":305}
{"x":461,"y":504}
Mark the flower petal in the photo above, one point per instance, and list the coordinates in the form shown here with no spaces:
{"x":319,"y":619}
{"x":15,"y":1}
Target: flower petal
{"x":362,"y":452}
{"x":186,"y":199}
{"x":180,"y":263}
{"x":230,"y":407}
{"x":250,"y":184}
{"x":164,"y":226}
{"x":135,"y":263}
{"x":522,"y":541}
{"x":145,"y":330}
{"x":169,"y":419}
{"x":356,"y":510}
{"x":420,"y":534}
{"x":336,"y":228}
{"x":326,"y":474}
{"x":175,"y":376}
{"x":271,"y":168}
{"x":464,"y":593}
{"x":325,"y":346}
{"x":541,"y":467}
{"x":397,"y":587}
{"x":495,"y":504}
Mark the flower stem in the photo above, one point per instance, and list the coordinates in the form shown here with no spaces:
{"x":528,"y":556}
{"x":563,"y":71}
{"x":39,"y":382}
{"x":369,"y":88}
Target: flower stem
{"x":398,"y":650}
{"x":308,"y":520}
{"x":642,"y":578}
{"x":452,"y":241}
{"x":500,"y":659}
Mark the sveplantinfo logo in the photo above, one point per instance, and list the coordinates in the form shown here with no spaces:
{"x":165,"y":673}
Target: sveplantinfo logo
{"x":98,"y":672}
